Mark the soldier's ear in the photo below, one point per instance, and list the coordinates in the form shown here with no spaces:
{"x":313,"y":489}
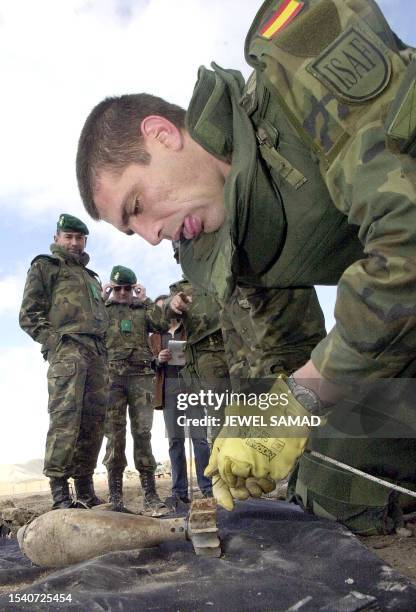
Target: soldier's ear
{"x":55,"y":238}
{"x":157,"y":130}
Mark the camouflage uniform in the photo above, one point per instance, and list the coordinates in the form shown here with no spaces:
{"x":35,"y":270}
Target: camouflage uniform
{"x":62,"y":308}
{"x":204,"y":351}
{"x":322,"y":190}
{"x":239,"y":336}
{"x":131,"y":382}
{"x":260,"y":336}
{"x":206,"y":363}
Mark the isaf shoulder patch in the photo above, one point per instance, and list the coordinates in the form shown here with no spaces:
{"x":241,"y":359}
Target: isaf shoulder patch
{"x":353,"y":67}
{"x":280,"y":18}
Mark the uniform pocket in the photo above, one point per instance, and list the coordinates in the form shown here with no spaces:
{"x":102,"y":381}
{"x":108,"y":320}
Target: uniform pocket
{"x":62,"y":386}
{"x":61,"y":368}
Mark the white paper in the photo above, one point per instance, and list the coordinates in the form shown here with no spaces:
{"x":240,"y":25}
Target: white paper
{"x":177,"y":348}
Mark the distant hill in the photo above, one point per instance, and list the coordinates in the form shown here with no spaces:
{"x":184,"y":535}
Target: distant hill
{"x":22,"y":472}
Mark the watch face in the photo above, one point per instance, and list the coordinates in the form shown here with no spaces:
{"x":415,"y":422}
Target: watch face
{"x":304,"y":396}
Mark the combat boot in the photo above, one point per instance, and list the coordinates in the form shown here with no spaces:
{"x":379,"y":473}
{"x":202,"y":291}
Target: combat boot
{"x":151,"y":502}
{"x":115,"y":490}
{"x":84,"y":489}
{"x":60,"y":493}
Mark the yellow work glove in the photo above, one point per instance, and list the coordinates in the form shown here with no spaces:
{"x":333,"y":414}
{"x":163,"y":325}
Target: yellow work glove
{"x":242,"y":489}
{"x":263,"y":451}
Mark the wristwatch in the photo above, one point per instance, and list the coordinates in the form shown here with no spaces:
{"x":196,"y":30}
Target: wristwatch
{"x":308,"y":398}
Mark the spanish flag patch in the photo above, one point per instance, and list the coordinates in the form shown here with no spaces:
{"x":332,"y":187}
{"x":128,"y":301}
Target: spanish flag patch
{"x":280,"y":18}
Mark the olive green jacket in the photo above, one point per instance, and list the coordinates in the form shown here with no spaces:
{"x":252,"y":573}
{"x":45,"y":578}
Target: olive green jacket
{"x":127,"y":338}
{"x":202,"y":318}
{"x":63,"y":298}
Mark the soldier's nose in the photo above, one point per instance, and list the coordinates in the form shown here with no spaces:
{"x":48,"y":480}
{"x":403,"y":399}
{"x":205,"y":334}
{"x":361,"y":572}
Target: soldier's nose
{"x":152,"y":233}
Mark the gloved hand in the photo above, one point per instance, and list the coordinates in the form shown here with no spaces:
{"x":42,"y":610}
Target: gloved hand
{"x":242,"y":489}
{"x":262,"y":453}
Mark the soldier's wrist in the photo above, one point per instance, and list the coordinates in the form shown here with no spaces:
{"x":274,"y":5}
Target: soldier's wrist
{"x":308,"y":398}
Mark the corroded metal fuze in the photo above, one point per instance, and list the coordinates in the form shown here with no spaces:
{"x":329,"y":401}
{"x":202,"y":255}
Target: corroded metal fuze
{"x":202,"y":527}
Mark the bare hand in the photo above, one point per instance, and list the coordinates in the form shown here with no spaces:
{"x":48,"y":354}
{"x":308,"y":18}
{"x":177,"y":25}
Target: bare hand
{"x":106,"y":292}
{"x":139,"y":292}
{"x":180,"y":303}
{"x":164,"y":356}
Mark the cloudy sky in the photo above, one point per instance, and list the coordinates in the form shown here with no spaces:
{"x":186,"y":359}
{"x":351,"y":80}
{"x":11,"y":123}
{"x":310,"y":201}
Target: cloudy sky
{"x":57,"y":60}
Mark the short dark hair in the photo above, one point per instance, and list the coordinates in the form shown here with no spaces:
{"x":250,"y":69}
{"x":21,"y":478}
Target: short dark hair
{"x":110,"y":138}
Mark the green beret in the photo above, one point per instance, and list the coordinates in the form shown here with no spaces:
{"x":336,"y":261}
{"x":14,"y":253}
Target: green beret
{"x":122,"y":276}
{"x":69,"y":223}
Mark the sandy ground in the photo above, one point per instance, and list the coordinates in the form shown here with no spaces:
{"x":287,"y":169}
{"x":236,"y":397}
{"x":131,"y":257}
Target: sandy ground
{"x":398,"y":550}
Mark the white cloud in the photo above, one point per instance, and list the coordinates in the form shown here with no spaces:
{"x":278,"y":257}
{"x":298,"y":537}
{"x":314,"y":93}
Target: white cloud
{"x":58,"y":59}
{"x":11,"y":290}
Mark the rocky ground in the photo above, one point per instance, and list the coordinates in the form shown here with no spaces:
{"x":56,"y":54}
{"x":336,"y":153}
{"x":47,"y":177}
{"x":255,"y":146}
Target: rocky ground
{"x":398,"y":550}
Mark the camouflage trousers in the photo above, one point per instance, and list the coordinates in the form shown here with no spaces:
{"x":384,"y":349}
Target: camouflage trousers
{"x":77,"y":386}
{"x":130,"y":391}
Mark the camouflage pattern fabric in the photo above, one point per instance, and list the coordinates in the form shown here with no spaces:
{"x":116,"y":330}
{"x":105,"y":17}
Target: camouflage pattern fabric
{"x":374,"y":185}
{"x":62,"y":297}
{"x":270,"y":331}
{"x":127,"y":338}
{"x":204,"y":351}
{"x":131,"y":382}
{"x":330,"y":178}
{"x":239,"y":335}
{"x":202,"y":318}
{"x":368,"y":179}
{"x":134,"y":392}
{"x":77,"y":387}
{"x":62,"y":308}
{"x":206,"y":363}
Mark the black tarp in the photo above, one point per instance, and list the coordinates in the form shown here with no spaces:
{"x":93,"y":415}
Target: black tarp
{"x":275,"y":557}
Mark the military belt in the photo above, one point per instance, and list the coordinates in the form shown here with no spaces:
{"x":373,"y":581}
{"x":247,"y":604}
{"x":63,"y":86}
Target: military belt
{"x":138,"y":367}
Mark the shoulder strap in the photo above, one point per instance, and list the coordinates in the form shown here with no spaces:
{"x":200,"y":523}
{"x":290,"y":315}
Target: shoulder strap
{"x":93,"y":274}
{"x":51,"y":259}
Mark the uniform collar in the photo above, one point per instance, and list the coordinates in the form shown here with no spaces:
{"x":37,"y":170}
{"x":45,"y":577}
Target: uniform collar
{"x":62,"y":253}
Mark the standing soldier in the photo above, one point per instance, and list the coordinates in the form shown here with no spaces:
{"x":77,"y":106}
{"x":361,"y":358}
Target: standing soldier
{"x":206,"y":364}
{"x":206,"y":361}
{"x":63,"y":309}
{"x":132,"y":316}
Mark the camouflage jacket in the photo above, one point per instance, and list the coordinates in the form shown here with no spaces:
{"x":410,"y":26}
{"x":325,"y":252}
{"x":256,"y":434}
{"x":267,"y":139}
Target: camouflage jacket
{"x":320,"y":190}
{"x":62,"y":297}
{"x":201,"y":321}
{"x":127,"y":338}
{"x":204,"y":349}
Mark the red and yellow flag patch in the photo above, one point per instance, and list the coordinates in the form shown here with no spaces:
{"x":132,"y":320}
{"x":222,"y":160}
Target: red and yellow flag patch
{"x":280,"y":18}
